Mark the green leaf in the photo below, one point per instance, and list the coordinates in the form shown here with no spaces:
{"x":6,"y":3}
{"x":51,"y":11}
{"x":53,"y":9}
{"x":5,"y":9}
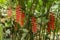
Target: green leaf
{"x":2,"y":1}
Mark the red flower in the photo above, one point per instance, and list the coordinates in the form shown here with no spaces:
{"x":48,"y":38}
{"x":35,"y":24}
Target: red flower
{"x":20,"y":16}
{"x":51,"y":24}
{"x":18,"y":13}
{"x":52,"y":20}
{"x":21,"y":23}
{"x":34,"y":25}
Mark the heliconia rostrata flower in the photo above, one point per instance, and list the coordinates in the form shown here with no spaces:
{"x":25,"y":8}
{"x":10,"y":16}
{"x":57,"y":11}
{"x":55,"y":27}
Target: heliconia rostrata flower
{"x":20,"y":16}
{"x":51,"y":23}
{"x":18,"y":13}
{"x":34,"y":25}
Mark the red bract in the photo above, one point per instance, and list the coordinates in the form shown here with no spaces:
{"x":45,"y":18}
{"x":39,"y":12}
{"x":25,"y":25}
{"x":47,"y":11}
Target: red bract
{"x":22,"y":19}
{"x":34,"y":29}
{"x":48,"y":28}
{"x":51,"y":24}
{"x":34,"y":25}
{"x":22,"y":23}
{"x":33,"y":19}
{"x":18,"y":13}
{"x":9,"y":12}
{"x":52,"y":20}
{"x":22,"y":15}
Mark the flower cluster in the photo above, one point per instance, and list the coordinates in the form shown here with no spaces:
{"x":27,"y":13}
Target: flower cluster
{"x":20,"y":15}
{"x":34,"y":25}
{"x":51,"y":23}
